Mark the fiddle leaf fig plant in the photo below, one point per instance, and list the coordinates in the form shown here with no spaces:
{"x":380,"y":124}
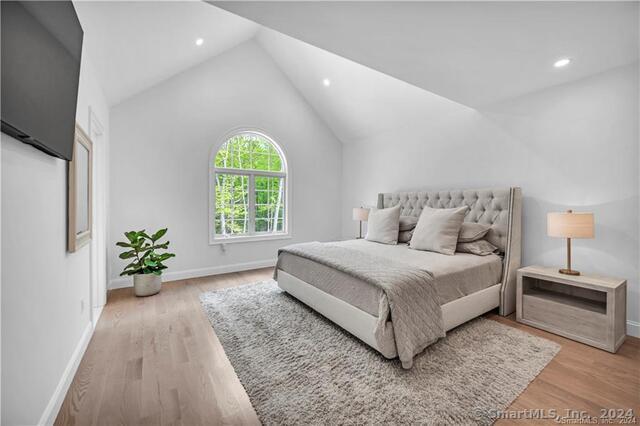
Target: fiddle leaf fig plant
{"x":142,"y":250}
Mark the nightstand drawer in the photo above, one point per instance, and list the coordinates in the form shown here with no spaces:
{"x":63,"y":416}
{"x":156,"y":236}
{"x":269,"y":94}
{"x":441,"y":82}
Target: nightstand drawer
{"x":564,"y":319}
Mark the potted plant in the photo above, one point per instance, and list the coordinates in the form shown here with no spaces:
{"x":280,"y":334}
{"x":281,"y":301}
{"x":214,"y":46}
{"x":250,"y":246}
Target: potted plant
{"x":146,"y":265}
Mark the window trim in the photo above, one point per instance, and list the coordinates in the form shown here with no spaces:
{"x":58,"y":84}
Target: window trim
{"x":284,"y":174}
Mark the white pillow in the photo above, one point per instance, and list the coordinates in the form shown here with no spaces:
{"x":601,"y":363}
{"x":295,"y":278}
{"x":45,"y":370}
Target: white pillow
{"x":437,"y":230}
{"x":383,"y":225}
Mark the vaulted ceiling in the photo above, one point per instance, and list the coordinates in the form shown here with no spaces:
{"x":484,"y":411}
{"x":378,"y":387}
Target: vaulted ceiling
{"x":137,"y":44}
{"x":475,"y":53}
{"x":388,"y":64}
{"x":359,"y":102}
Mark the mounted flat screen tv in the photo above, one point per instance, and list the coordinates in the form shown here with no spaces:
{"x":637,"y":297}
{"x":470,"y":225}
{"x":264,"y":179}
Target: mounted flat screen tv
{"x":41,"y":49}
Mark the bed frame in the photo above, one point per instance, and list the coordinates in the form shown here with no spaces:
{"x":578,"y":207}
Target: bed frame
{"x":499,"y":208}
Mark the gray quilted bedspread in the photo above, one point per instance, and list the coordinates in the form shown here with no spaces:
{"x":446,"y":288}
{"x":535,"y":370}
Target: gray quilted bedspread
{"x":410,"y":300}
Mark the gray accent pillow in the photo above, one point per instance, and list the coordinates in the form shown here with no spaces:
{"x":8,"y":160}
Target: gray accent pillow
{"x":479,"y":247}
{"x":383,"y":225}
{"x":407,"y":223}
{"x":405,"y":236}
{"x":437,"y":230}
{"x":471,"y":231}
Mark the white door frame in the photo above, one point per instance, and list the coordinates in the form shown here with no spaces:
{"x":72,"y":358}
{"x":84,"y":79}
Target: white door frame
{"x":98,"y":242}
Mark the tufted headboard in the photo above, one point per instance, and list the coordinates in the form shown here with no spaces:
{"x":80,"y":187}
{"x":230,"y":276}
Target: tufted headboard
{"x":501,"y":208}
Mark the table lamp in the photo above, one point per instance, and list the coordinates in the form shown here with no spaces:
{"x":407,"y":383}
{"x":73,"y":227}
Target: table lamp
{"x":570,"y":225}
{"x":362,"y":215}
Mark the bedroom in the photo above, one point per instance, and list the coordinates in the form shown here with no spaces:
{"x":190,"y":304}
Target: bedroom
{"x":244,"y":128}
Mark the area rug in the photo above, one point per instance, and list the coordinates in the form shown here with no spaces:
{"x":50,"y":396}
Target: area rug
{"x":298,"y":368}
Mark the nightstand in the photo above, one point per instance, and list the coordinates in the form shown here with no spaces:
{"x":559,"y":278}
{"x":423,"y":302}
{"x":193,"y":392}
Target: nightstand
{"x":586,"y":308}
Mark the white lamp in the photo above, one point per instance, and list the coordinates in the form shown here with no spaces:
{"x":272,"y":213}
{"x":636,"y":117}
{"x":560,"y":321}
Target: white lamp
{"x":570,"y":225}
{"x":362,"y":215}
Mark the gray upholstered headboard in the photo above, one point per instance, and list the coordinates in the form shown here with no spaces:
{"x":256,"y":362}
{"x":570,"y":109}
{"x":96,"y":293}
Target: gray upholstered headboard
{"x":501,"y":208}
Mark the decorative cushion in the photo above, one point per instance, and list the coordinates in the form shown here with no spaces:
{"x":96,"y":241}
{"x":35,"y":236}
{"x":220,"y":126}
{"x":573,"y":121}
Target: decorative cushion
{"x":437,"y":230}
{"x":383,"y":225}
{"x":405,"y":236}
{"x":471,"y":231}
{"x":479,"y":247}
{"x":407,"y":223}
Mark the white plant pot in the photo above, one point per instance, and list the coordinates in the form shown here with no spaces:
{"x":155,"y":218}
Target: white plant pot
{"x":147,"y":284}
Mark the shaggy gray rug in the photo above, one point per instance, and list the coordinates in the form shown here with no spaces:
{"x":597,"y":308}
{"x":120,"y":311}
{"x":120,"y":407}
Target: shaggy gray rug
{"x":299,"y":368}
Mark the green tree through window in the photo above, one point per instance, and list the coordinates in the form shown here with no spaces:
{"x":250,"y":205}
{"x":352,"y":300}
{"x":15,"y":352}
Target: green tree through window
{"x":249,"y":180}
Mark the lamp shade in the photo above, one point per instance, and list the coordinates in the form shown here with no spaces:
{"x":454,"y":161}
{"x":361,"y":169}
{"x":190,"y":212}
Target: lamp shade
{"x":360,"y":213}
{"x":570,"y":225}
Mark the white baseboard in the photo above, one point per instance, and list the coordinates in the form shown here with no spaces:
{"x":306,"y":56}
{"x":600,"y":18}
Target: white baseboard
{"x":53,"y":407}
{"x":97,"y":313}
{"x":196,"y":273}
{"x":633,"y":328}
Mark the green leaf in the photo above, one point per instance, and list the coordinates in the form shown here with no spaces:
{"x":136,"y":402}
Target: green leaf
{"x":155,"y":237}
{"x":165,"y":256}
{"x":133,"y":271}
{"x":122,"y":244}
{"x":150,"y":262}
{"x":156,"y":247}
{"x":150,"y":270}
{"x":127,"y":254}
{"x":132,"y":236}
{"x":139,"y":242}
{"x":131,"y":265}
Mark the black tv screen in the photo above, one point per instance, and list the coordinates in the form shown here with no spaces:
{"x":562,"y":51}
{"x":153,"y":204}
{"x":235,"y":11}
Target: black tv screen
{"x":41,"y":49}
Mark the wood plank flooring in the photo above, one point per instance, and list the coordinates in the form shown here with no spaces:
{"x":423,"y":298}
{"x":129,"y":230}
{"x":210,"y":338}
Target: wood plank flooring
{"x":157,"y":361}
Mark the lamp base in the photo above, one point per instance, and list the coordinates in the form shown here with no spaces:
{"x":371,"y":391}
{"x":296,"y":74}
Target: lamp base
{"x":569,"y":272}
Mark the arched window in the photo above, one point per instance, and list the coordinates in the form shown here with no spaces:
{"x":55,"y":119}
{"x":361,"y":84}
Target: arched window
{"x":248,"y":182}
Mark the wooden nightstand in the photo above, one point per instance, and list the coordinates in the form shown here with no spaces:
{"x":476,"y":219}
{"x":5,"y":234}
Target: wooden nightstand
{"x":586,"y":308}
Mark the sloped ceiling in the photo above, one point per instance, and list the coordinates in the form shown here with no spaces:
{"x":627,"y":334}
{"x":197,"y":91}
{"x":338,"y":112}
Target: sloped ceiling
{"x":135,"y":45}
{"x":359,"y":102}
{"x":475,"y":53}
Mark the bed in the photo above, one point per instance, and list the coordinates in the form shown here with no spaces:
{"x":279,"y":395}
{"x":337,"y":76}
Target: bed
{"x":466,"y":285}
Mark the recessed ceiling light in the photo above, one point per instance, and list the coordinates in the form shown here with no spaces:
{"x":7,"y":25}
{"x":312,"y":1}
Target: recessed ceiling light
{"x":562,"y":62}
{"x":199,"y":42}
{"x":326,"y":82}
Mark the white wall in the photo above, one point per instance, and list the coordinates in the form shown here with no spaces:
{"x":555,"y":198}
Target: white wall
{"x":0,"y":284}
{"x":570,"y":146}
{"x":161,"y":141}
{"x":45,"y":290}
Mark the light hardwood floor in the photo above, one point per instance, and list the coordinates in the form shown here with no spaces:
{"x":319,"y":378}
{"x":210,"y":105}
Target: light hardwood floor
{"x":157,"y":360}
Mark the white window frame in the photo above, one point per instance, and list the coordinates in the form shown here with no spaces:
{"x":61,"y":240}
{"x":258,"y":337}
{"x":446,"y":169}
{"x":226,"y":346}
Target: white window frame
{"x":252,"y":235}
